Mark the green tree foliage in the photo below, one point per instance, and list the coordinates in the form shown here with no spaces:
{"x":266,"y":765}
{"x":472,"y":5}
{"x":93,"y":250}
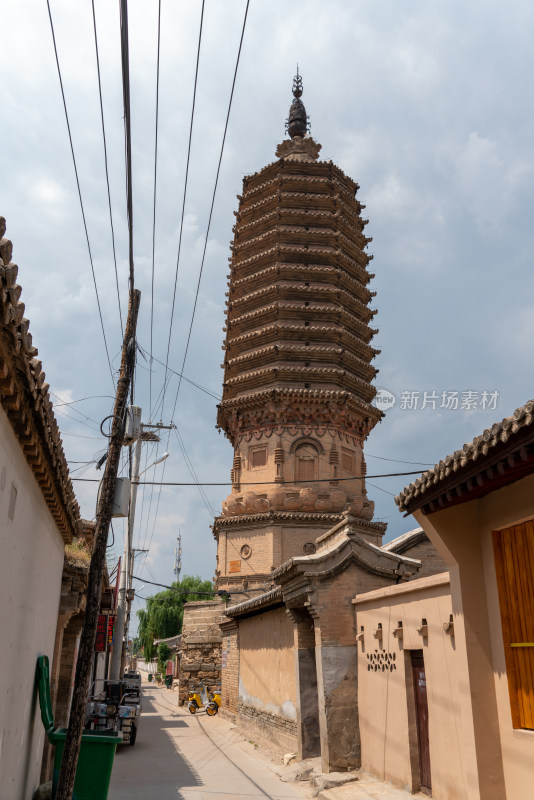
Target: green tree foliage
{"x":164,"y":653}
{"x":164,"y":612}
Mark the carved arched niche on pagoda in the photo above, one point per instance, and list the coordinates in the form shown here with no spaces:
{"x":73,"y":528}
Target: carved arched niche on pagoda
{"x":289,"y":470}
{"x":306,"y":452}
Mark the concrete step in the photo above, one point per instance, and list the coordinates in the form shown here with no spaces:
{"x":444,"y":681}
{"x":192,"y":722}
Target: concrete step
{"x":368,"y":788}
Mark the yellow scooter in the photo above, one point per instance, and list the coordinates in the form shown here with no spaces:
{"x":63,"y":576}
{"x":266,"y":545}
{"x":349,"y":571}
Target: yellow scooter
{"x":199,"y":699}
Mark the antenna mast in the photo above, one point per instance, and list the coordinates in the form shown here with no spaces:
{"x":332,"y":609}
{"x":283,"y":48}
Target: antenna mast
{"x":178,"y":557}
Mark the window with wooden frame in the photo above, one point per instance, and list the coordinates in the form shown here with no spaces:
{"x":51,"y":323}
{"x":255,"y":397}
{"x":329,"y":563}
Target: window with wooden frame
{"x":514,"y":564}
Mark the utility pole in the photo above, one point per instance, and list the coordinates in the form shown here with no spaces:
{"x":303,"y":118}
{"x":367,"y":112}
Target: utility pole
{"x":71,"y":752}
{"x":178,"y":557}
{"x":120,"y":619}
{"x":123,"y":604}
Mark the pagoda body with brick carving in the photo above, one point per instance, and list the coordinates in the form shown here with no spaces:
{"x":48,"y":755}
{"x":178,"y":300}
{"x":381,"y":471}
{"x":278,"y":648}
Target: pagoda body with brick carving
{"x":297,"y":389}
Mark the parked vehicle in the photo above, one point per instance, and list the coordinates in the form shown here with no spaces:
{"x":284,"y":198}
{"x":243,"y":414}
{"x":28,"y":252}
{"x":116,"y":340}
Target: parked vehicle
{"x":203,"y":697}
{"x":116,"y":708}
{"x":132,"y":679}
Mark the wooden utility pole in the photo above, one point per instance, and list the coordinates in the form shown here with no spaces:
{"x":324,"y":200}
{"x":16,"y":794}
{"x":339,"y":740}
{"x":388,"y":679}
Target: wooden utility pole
{"x":94,"y":588}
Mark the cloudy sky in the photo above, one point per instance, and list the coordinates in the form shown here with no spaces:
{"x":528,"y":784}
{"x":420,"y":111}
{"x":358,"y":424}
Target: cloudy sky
{"x":425,"y":104}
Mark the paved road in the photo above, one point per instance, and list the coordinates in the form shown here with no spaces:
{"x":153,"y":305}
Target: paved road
{"x":178,"y":756}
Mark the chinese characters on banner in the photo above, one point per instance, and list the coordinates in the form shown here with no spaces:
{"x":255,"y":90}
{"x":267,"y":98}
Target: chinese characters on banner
{"x":111,"y":623}
{"x":104,"y":633}
{"x":101,"y":629}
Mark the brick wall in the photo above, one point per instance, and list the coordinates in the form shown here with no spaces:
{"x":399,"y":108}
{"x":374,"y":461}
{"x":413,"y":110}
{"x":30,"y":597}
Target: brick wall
{"x":201,"y":646}
{"x":270,"y":545}
{"x":334,"y":602}
{"x":256,"y":722}
{"x":432,"y":562}
{"x":230,"y":667}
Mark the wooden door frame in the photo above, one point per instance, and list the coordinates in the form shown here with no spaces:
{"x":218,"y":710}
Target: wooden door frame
{"x":413,"y":733}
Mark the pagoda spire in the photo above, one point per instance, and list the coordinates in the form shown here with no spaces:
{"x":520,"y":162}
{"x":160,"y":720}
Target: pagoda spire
{"x":297,"y":123}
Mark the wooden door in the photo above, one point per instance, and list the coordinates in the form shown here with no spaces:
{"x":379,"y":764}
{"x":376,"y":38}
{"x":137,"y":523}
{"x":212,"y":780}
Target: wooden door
{"x":514,"y":565}
{"x":421,"y":717}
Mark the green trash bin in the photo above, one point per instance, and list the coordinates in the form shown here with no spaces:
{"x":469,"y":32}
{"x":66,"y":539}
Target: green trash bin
{"x":95,"y":762}
{"x":97,"y":751}
{"x":168,"y":681}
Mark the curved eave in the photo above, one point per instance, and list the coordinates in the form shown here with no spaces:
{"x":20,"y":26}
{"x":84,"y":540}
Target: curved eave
{"x":320,"y":378}
{"x":322,"y":312}
{"x":325,"y":274}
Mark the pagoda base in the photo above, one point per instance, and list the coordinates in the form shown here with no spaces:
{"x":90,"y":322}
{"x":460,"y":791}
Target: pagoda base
{"x":250,"y":546}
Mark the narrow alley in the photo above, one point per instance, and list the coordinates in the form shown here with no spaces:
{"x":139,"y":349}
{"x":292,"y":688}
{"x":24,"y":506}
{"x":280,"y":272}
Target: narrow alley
{"x":187,"y":757}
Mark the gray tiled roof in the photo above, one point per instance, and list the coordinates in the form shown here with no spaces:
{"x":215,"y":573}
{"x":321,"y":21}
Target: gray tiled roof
{"x":471,"y":452}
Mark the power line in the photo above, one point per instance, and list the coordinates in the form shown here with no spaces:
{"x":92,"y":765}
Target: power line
{"x":184,"y":197}
{"x":157,"y":504}
{"x":272,"y":483}
{"x":188,"y":380}
{"x":143,"y":497}
{"x":106,"y":166}
{"x":193,"y":474}
{"x":176,"y":589}
{"x":145,"y":565}
{"x":179,"y":251}
{"x":162,"y":483}
{"x":79,"y":189}
{"x":212,"y":205}
{"x":154,"y":214}
{"x":78,"y":421}
{"x":216,"y":396}
{"x":380,"y":489}
{"x":400,"y":460}
{"x":56,"y":407}
{"x":81,"y":436}
{"x":150,"y":503}
{"x":71,"y":402}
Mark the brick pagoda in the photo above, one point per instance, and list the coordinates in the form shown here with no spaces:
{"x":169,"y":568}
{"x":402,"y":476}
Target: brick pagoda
{"x":297,"y":387}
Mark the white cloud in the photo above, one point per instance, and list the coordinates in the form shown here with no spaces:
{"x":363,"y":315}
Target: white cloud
{"x":489,"y":177}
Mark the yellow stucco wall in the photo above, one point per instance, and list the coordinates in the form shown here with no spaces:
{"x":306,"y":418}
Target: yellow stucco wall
{"x":385,"y":695}
{"x":463,"y":535}
{"x":267,"y":664}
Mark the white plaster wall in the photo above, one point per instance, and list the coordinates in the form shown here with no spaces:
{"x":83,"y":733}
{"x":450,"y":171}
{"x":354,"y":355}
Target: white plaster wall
{"x":31,"y":564}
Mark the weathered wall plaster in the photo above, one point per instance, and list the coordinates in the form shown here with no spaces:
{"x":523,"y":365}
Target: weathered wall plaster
{"x":30,"y":575}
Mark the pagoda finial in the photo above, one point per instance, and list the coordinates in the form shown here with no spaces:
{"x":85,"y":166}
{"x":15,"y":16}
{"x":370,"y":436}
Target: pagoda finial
{"x":297,"y":122}
{"x":297,"y":84}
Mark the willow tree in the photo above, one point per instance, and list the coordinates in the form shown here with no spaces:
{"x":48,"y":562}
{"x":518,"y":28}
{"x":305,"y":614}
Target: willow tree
{"x":164,"y":613}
